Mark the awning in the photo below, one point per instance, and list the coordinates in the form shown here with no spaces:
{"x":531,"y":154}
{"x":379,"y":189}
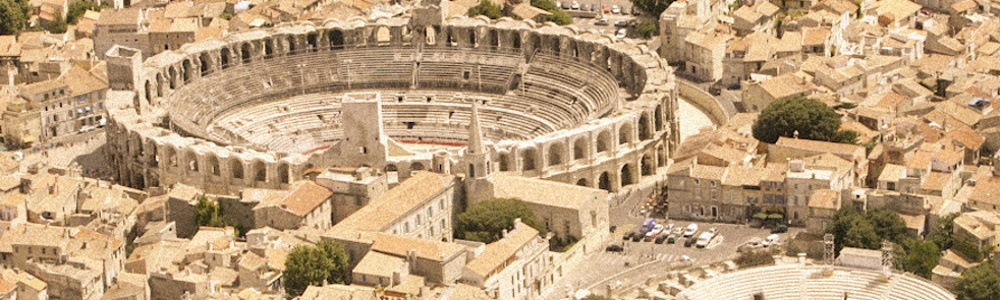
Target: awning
{"x":774,"y":216}
{"x":760,"y":215}
{"x":28,"y":139}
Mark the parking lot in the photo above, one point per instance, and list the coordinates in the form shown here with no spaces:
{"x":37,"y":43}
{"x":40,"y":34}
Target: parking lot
{"x":604,"y":10}
{"x":642,"y":259}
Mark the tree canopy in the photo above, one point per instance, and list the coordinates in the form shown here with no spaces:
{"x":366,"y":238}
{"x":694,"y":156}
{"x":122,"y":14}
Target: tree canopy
{"x":78,"y":7}
{"x":917,"y":257}
{"x":486,"y":8}
{"x":867,"y":230}
{"x":313,"y":265}
{"x":653,"y":7}
{"x":809,"y":117}
{"x":942,"y":234}
{"x":13,"y":16}
{"x":978,"y":283}
{"x":558,"y":15}
{"x":646,"y":29}
{"x":484,"y":221}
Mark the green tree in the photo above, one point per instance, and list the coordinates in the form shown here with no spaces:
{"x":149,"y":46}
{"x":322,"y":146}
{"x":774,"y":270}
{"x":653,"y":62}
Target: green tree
{"x":846,"y":137}
{"x":56,"y":26}
{"x":558,"y":15}
{"x":942,"y":233}
{"x":917,"y":257}
{"x":842,"y":222}
{"x":313,"y":265}
{"x":484,"y":221}
{"x":486,"y":8}
{"x":809,"y":117}
{"x":861,"y":234}
{"x":13,"y":16}
{"x":754,"y":258}
{"x":888,"y":224}
{"x":978,"y":283}
{"x":653,"y":7}
{"x":78,"y":8}
{"x":646,"y":29}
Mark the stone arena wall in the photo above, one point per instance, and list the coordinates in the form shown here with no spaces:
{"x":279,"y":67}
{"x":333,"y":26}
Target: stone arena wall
{"x":703,"y":100}
{"x":151,"y":144}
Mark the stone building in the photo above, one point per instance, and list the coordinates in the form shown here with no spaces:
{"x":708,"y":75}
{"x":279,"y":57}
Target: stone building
{"x":306,"y":204}
{"x":515,"y":267}
{"x":353,"y":188}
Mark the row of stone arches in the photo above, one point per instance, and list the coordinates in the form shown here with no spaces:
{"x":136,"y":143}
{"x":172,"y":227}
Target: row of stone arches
{"x":526,"y":41}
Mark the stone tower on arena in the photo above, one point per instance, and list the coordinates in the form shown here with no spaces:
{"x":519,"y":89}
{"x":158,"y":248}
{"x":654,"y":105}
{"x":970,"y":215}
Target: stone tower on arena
{"x":365,"y":141}
{"x":476,"y":161}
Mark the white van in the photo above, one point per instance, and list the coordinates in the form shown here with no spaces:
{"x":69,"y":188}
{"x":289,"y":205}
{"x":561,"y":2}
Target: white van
{"x":704,"y":239}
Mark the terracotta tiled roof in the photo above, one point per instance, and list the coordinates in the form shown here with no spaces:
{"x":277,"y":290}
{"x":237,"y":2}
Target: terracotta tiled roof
{"x":498,"y":253}
{"x":428,"y":249}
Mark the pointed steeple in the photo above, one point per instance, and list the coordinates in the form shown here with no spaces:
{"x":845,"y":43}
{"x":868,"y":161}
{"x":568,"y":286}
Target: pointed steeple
{"x":476,"y":146}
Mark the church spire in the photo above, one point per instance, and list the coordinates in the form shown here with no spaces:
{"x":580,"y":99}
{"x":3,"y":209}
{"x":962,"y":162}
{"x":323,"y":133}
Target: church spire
{"x":476,"y":146}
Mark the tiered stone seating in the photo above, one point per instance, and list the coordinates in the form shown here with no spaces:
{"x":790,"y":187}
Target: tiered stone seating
{"x":251,"y":102}
{"x":793,"y":282}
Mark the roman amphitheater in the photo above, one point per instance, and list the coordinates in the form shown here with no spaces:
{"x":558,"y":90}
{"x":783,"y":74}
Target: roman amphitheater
{"x":263,"y":108}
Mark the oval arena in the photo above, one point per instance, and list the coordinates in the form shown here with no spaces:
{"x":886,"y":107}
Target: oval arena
{"x":264,"y":108}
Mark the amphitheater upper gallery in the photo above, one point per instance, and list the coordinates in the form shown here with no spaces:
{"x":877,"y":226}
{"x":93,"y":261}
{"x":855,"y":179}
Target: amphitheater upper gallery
{"x":263,"y":108}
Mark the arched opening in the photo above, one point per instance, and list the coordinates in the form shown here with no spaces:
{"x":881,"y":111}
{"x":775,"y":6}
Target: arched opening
{"x":224,"y":58}
{"x":494,"y":39}
{"x":556,"y":154}
{"x":291,"y":45}
{"x":268,"y":48}
{"x":516,"y":40}
{"x":472,"y":39}
{"x":336,"y":39}
{"x":504,"y":162}
{"x":188,"y":70}
{"x":661,"y":157}
{"x":416,"y":166}
{"x":407,"y":36}
{"x":149,"y":95}
{"x":430,"y":34}
{"x":206,"y":63}
{"x":172,"y":77}
{"x":247,"y":51}
{"x":625,"y":133}
{"x":528,"y":157}
{"x":658,"y":116}
{"x":153,"y":154}
{"x":626,"y":175}
{"x":535,"y":41}
{"x":648,"y":166}
{"x":313,"y":39}
{"x":604,"y":182}
{"x":192,"y":161}
{"x":579,"y":149}
{"x":236,"y":166}
{"x":582,"y":182}
{"x":171,"y":156}
{"x":283,"y":173}
{"x":260,"y":171}
{"x":382,"y":36}
{"x":644,"y":132}
{"x":555,"y":46}
{"x":160,"y":83}
{"x":603,"y":141}
{"x":451,"y":37}
{"x":213,"y":165}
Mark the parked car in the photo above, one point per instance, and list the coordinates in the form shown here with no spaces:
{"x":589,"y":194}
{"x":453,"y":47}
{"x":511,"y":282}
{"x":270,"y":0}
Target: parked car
{"x":635,"y":11}
{"x":602,"y":22}
{"x":751,"y":245}
{"x":678,"y":231}
{"x":660,"y":238}
{"x":672,"y":238}
{"x":586,"y":7}
{"x":657,"y":229}
{"x":575,"y":5}
{"x":621,"y":24}
{"x":705,"y":238}
{"x":565,"y":5}
{"x":605,"y":9}
{"x":616,"y":10}
{"x":779,"y":229}
{"x":614,"y":248}
{"x":771,"y":240}
{"x":628,"y":236}
{"x":691,"y":230}
{"x":649,"y":237}
{"x":637,"y":237}
{"x":621,"y":34}
{"x":690,"y":241}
